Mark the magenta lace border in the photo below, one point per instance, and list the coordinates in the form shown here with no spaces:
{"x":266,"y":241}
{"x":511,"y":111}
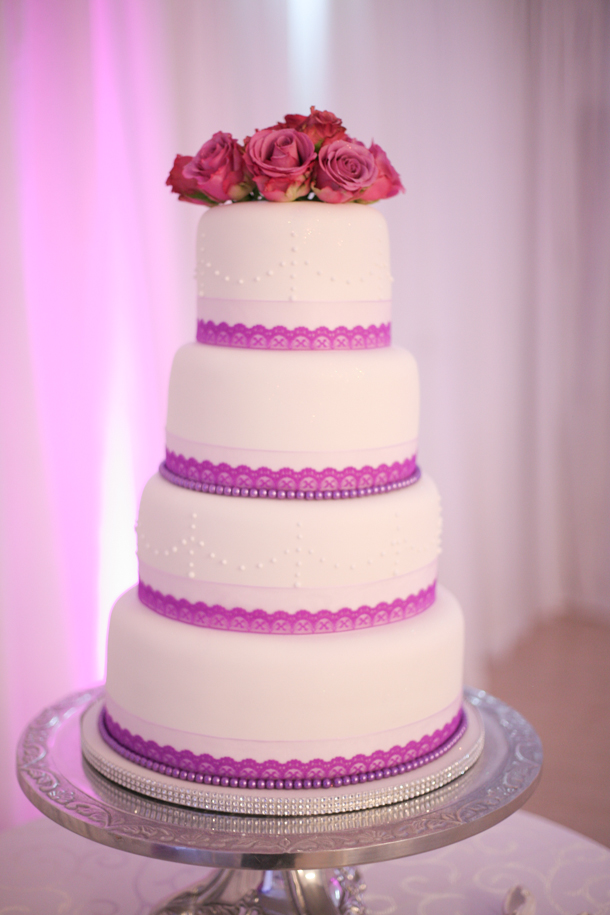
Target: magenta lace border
{"x":301,"y":338}
{"x":263,"y":483}
{"x":248,"y":773}
{"x":303,"y":622}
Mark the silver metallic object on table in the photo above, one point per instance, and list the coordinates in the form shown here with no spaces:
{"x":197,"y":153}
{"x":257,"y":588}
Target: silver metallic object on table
{"x":284,"y":860}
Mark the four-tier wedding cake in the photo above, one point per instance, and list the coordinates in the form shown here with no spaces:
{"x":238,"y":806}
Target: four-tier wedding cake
{"x":288,"y":633}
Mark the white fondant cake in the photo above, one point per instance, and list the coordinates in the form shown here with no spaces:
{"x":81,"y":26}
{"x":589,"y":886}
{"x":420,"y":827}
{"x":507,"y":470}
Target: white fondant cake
{"x":315,"y":409}
{"x":303,"y":544}
{"x":298,"y":256}
{"x":318,"y":697}
{"x":287,"y":630}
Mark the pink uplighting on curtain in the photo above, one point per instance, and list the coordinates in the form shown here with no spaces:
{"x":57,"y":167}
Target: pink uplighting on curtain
{"x":92,"y":328}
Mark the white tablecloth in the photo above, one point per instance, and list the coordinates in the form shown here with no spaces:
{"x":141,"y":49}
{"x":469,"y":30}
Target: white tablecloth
{"x":47,"y":870}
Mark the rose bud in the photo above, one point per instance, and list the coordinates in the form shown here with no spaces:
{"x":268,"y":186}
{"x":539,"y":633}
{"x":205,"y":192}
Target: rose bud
{"x":218,"y":171}
{"x":345,"y":169}
{"x":294,"y":121}
{"x":279,"y":161}
{"x":387,"y":183}
{"x":321,"y":126}
{"x":185,"y":187}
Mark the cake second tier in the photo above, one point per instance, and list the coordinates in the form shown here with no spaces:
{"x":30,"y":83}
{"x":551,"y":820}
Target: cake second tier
{"x":240,"y":415}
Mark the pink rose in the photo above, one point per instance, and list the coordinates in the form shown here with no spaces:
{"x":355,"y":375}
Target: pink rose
{"x":388,"y":181}
{"x":318,"y":125}
{"x":321,"y":126}
{"x":279,"y":160}
{"x":185,"y":187}
{"x":294,"y":121}
{"x":345,"y":168}
{"x":217,"y":171}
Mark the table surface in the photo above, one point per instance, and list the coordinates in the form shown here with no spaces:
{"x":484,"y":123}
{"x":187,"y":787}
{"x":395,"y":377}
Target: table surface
{"x":47,"y":870}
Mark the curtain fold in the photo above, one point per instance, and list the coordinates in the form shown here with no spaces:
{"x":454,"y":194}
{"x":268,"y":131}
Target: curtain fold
{"x":496,"y":114}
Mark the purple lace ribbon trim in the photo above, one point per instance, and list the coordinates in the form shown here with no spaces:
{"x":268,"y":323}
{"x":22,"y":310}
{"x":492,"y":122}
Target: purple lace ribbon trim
{"x":303,"y":622}
{"x":301,"y":338}
{"x":248,"y":773}
{"x":264,"y":483}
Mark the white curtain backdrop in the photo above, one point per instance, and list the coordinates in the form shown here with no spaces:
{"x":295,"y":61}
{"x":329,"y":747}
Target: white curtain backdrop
{"x":497,"y":115}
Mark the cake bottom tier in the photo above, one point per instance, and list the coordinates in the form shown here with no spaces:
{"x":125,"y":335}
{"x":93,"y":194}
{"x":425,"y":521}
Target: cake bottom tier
{"x":264,"y":706}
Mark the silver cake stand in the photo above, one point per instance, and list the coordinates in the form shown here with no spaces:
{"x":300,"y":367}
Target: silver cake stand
{"x":274,"y":865}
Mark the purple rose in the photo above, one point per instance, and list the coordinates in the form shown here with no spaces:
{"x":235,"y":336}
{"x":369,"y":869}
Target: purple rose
{"x":322,"y":126}
{"x":387,"y":183}
{"x":319,"y":126}
{"x":217,"y":171}
{"x":185,"y":188}
{"x":345,"y":168}
{"x":295,"y":121}
{"x":280,"y":163}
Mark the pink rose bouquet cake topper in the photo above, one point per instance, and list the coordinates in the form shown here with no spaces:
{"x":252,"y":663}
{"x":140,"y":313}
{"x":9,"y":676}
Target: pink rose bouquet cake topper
{"x":303,"y":157}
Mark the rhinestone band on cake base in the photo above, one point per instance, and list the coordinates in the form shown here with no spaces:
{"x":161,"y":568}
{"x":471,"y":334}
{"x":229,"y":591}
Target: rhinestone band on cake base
{"x":263,"y":802}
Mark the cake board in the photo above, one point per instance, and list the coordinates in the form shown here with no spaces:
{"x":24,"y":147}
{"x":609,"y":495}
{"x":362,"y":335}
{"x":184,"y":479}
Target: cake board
{"x":437,"y":769}
{"x":275,"y":864}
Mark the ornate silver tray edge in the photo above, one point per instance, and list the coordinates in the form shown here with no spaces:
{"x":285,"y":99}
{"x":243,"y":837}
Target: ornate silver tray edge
{"x":55,"y":778}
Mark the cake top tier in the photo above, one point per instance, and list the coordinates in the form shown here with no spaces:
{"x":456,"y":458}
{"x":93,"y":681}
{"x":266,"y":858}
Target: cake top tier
{"x":302,"y":251}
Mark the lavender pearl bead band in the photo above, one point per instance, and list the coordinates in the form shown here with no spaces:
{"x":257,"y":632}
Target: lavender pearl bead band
{"x":271,"y":775}
{"x":193,"y":481}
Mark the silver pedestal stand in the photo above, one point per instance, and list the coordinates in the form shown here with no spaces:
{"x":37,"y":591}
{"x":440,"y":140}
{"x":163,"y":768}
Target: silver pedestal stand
{"x":283,"y":865}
